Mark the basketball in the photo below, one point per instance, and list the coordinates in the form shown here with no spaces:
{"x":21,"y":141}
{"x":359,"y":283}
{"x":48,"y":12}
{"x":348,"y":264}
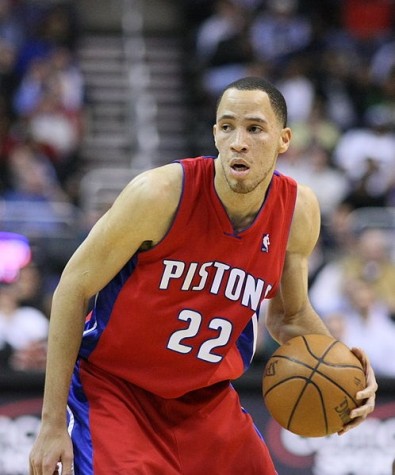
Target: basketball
{"x":310,"y":384}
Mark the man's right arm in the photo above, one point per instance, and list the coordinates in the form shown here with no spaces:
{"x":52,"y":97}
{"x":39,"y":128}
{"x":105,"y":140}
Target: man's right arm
{"x":142,"y":212}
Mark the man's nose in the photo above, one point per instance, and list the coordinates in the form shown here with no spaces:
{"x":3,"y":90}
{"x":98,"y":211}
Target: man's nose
{"x":239,"y":142}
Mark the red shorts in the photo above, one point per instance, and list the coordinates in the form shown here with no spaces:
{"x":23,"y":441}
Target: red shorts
{"x":118,"y":428}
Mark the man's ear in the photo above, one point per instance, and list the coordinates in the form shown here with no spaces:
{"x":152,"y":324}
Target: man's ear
{"x":215,"y":135}
{"x":285,"y":140}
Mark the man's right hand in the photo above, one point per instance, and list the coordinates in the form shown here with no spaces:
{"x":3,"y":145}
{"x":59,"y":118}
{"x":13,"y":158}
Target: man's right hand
{"x":52,"y":446}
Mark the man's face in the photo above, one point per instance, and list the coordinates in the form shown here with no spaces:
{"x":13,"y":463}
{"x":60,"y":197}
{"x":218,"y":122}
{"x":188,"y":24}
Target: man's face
{"x":249,"y":137}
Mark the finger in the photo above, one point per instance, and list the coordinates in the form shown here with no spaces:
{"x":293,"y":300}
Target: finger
{"x":361,"y":355}
{"x":65,"y":468}
{"x":50,"y":468}
{"x":363,"y":411}
{"x":70,"y":471}
{"x":357,"y":416}
{"x":351,"y":425}
{"x":371,"y":383}
{"x":371,"y":387}
{"x":367,"y":393}
{"x":345,"y":429}
{"x":33,"y":468}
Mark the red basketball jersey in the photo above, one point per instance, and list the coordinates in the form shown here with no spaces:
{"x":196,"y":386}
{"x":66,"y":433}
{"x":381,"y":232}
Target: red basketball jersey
{"x":183,"y":315}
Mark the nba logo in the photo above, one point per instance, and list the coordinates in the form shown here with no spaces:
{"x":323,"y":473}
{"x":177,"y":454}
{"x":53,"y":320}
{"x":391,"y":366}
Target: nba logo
{"x":265,"y":243}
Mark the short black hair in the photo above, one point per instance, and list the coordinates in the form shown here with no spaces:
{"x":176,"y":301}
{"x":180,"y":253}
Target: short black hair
{"x":252,"y":83}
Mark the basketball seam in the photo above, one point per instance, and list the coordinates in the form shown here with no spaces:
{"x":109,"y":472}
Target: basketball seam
{"x":313,"y":371}
{"x":307,"y":381}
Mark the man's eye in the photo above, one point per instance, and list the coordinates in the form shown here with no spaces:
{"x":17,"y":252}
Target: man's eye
{"x":255,"y":129}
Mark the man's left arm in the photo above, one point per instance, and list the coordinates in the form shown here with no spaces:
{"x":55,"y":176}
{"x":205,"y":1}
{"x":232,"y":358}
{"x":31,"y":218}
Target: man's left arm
{"x":290,"y":312}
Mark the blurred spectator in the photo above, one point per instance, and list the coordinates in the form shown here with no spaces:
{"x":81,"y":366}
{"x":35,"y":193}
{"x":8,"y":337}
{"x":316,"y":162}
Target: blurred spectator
{"x":59,"y":25}
{"x":60,"y":130}
{"x":221,"y":25}
{"x":11,"y":27}
{"x":365,"y":321}
{"x":316,"y":129}
{"x":69,"y":77}
{"x":35,"y":205}
{"x":366,"y":155}
{"x":50,"y":100}
{"x":279,"y":31}
{"x":223,"y":46}
{"x":297,"y":89}
{"x":57,"y":73}
{"x":382,"y":62}
{"x":32,"y":288}
{"x":32,"y":176}
{"x":367,"y":21}
{"x":8,"y":77}
{"x":370,"y":260}
{"x":334,"y":85}
{"x":7,"y":142}
{"x":363,"y":91}
{"x":23,"y":332}
{"x":337,"y":235}
{"x":383,"y":101}
{"x":31,"y":89}
{"x":312,"y":167}
{"x":47,"y":26}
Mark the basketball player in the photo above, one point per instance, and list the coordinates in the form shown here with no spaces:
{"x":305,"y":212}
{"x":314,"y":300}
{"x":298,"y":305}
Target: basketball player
{"x":180,"y":265}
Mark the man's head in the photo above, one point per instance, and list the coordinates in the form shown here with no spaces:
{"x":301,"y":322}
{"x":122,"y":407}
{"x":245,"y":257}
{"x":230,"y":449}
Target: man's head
{"x":250,"y":132}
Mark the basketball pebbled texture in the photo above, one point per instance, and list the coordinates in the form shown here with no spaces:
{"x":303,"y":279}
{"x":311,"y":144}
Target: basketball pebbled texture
{"x":310,"y":383}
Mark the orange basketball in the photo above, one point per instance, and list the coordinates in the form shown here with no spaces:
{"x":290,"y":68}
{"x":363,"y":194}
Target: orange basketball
{"x":310,"y":383}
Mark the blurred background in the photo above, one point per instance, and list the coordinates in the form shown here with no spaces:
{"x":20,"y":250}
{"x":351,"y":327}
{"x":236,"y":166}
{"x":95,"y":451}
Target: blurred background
{"x":93,"y":92}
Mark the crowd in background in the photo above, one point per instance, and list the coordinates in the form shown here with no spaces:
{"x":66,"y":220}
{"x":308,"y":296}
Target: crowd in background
{"x":41,"y":127}
{"x":334,"y":61}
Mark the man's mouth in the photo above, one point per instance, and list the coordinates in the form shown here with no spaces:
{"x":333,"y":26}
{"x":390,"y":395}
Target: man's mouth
{"x":239,"y":167}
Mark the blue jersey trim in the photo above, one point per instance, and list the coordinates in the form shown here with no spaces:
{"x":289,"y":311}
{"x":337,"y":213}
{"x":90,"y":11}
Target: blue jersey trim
{"x":103,"y":307}
{"x":245,"y":344}
{"x":78,"y":424}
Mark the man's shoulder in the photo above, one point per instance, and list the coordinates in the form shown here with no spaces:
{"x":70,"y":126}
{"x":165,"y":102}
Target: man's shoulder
{"x":306,"y":220}
{"x":152,"y":183}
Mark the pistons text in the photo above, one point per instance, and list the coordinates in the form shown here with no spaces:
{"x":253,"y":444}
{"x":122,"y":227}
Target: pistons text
{"x":216,"y":277}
